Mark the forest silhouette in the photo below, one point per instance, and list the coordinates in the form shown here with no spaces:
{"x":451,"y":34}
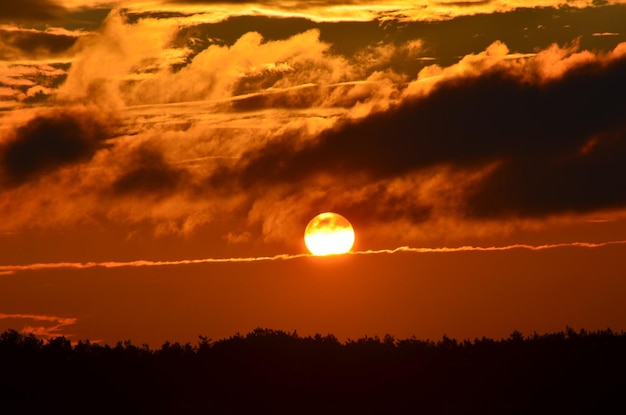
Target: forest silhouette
{"x":276,"y":372}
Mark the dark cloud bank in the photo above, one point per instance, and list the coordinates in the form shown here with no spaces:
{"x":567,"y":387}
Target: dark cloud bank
{"x":30,"y":10}
{"x":24,"y":43}
{"x":49,"y":142}
{"x":560,"y":146}
{"x":523,"y":30}
{"x":148,"y":173}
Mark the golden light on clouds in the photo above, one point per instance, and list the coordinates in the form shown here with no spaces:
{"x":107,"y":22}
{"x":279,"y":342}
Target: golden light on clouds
{"x":332,"y":11}
{"x":139,"y":137}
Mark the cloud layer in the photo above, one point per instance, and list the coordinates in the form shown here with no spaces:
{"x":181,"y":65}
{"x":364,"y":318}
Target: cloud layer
{"x":42,"y":325}
{"x":49,"y":142}
{"x":556,"y":144}
{"x":157,"y":122}
{"x":31,"y":10}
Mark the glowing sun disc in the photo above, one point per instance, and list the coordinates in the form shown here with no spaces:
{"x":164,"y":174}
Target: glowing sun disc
{"x":329,"y":234}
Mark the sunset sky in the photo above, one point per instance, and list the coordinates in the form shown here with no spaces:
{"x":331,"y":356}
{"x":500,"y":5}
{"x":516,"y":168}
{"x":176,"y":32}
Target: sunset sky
{"x":160,"y":160}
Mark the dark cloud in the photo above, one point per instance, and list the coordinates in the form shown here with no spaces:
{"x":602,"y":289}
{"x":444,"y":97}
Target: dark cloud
{"x":28,"y":43}
{"x":541,"y":185}
{"x":524,"y":30}
{"x":30,"y":11}
{"x":49,"y":142}
{"x":376,"y":202}
{"x":149,"y":173}
{"x":133,"y":17}
{"x":560,"y":145}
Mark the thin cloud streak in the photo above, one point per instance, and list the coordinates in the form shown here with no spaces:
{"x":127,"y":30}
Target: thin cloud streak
{"x":59,"y":323}
{"x":12,"y":269}
{"x":491,"y":248}
{"x":63,"y":321}
{"x":9,"y":269}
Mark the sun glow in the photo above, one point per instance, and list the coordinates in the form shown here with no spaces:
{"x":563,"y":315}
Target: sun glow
{"x":329,"y":234}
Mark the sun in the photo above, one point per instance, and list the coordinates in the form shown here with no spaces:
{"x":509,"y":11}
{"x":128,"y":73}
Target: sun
{"x":329,"y":234}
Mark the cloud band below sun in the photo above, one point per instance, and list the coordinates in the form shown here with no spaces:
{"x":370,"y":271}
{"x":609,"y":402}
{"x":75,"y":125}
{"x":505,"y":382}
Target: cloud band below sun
{"x":12,"y":269}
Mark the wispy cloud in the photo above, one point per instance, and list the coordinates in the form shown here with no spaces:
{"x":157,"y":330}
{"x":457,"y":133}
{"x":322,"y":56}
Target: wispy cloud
{"x":12,"y":269}
{"x":605,"y":34}
{"x":41,"y":324}
{"x":362,"y":10}
{"x":178,"y":128}
{"x":491,"y":248}
{"x":9,"y":269}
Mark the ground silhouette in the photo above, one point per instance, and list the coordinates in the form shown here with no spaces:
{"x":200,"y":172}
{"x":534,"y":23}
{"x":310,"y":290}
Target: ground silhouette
{"x":275,"y":372}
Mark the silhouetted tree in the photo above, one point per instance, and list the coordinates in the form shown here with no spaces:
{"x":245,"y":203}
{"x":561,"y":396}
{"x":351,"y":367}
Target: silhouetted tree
{"x":272,"y":371}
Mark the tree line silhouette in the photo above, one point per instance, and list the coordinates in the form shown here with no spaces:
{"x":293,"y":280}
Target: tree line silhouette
{"x":276,"y":372}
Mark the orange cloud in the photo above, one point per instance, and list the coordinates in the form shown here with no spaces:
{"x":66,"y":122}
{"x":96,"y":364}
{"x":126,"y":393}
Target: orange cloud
{"x":21,"y":44}
{"x":190,"y":132}
{"x":42,"y":325}
{"x":48,"y":142}
{"x":489,"y":248}
{"x":31,"y":11}
{"x":360,"y":10}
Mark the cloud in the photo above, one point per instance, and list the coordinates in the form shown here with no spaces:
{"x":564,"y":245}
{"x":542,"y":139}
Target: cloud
{"x":257,"y":144}
{"x":29,"y":83}
{"x":148,"y":173}
{"x":116,"y":53}
{"x":18,"y":43}
{"x":366,"y":10}
{"x":12,"y":269}
{"x":548,"y":136}
{"x":220,"y":72}
{"x":50,"y":141}
{"x":296,"y":72}
{"x":33,"y":62}
{"x":467,"y":248}
{"x":605,"y":34}
{"x":41,"y":324}
{"x":31,"y":11}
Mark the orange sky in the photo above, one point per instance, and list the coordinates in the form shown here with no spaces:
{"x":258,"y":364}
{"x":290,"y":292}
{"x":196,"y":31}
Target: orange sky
{"x":185,"y":133}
